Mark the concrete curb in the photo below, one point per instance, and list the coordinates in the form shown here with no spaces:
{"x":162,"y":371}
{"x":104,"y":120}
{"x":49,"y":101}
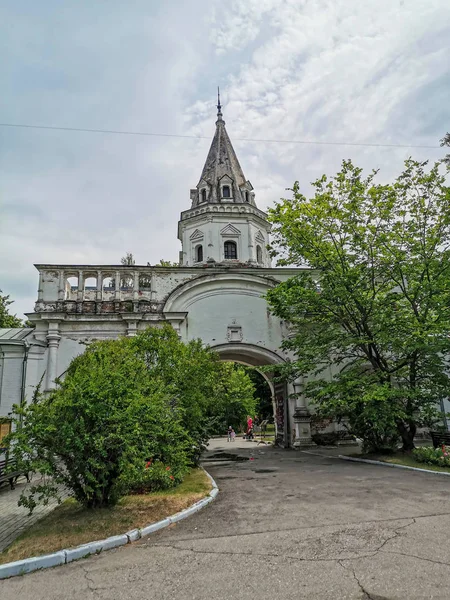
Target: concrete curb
{"x":386,"y":464}
{"x":20,"y":567}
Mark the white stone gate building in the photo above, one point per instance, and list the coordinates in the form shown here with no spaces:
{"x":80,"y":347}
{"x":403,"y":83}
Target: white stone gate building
{"x":216,"y":294}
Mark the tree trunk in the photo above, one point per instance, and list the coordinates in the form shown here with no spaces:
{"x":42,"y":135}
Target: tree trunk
{"x":407,"y":433}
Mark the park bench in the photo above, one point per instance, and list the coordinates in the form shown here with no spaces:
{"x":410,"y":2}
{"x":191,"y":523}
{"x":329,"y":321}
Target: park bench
{"x":440,"y":438}
{"x":13,"y":473}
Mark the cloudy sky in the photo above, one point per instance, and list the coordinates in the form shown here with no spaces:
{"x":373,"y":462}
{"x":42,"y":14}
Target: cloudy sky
{"x":340,"y":71}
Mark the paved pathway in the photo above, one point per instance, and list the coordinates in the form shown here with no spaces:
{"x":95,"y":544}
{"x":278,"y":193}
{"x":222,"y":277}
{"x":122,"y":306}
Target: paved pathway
{"x":285,"y":525}
{"x":15,"y":519}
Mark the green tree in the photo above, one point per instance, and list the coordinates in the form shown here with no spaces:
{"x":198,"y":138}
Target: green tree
{"x":128,"y":260}
{"x":106,"y":420}
{"x":446,"y":142}
{"x":122,"y":403}
{"x":263,"y":394}
{"x":192,"y":376}
{"x":7,"y":320}
{"x":167,"y":263}
{"x":235,"y":398}
{"x":374,"y":300}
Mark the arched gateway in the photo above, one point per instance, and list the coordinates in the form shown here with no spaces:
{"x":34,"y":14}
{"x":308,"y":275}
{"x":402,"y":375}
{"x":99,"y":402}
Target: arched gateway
{"x":216,"y":294}
{"x":227,"y":310}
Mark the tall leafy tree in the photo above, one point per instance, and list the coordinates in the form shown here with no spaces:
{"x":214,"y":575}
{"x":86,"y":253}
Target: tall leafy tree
{"x":372,"y":306}
{"x":6,"y":318}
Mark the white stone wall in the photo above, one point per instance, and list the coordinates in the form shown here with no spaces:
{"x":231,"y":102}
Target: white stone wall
{"x":11,"y":373}
{"x":11,"y":360}
{"x":233,"y":223}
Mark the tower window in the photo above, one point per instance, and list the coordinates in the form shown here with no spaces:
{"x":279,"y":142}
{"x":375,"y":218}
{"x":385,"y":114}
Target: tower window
{"x":199,"y":254}
{"x":230,"y":250}
{"x":246,"y":197}
{"x":203,"y":195}
{"x":226,"y":191}
{"x":258,"y":254}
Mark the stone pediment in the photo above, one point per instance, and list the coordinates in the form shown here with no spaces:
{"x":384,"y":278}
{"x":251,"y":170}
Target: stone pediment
{"x":259,"y":237}
{"x":225,"y":179}
{"x":196,"y":236}
{"x":202,"y":184}
{"x":230,"y":230}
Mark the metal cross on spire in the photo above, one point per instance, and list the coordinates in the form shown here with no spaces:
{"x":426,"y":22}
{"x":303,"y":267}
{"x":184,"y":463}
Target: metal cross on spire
{"x":219,"y":106}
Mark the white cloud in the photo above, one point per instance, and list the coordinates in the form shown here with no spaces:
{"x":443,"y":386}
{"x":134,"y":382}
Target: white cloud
{"x":324,"y":70}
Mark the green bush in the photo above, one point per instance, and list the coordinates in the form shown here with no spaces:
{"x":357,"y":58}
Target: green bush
{"x":153,"y":476}
{"x":211,"y":394}
{"x":124,"y":404}
{"x":432,"y":456}
{"x":106,"y":418}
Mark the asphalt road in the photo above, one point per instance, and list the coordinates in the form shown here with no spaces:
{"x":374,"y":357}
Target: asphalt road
{"x":285,"y":525}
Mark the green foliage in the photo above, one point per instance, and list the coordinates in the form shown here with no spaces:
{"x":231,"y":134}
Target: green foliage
{"x":153,"y":476}
{"x":166,"y":263}
{"x":432,"y":456}
{"x":235,"y":399}
{"x":109,"y":416}
{"x":373,"y":300}
{"x":6,"y":319}
{"x":131,"y":414}
{"x":128,"y":260}
{"x":190,"y":375}
{"x":446,"y":142}
{"x":263,"y":394}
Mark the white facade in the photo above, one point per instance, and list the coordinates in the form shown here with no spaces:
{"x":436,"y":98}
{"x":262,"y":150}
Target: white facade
{"x":22,"y":361}
{"x":212,"y":228}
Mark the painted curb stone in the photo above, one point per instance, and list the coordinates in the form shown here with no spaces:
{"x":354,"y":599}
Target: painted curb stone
{"x":155,"y":527}
{"x":395,"y":466}
{"x":82,"y":551}
{"x":28,"y":565}
{"x":114,"y":541}
{"x":133,"y":535}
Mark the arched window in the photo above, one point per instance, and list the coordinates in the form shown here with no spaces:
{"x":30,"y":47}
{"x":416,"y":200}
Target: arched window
{"x":230,"y":250}
{"x":226,"y":191}
{"x":199,"y":254}
{"x":203,"y":195}
{"x":258,"y":254}
{"x":246,"y":196}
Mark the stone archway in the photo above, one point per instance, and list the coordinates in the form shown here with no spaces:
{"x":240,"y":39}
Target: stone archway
{"x":256,"y":356}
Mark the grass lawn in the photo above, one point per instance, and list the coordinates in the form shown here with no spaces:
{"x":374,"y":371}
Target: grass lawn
{"x":400,"y":458}
{"x":71,"y":525}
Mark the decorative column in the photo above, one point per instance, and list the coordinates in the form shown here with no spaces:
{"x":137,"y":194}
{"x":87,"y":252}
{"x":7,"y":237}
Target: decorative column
{"x":61,"y":286}
{"x":132,"y":322}
{"x":302,"y":417}
{"x":117,"y":286}
{"x":98,"y":294}
{"x":80,"y":293}
{"x":176,"y":319}
{"x":53,"y":338}
{"x":136,"y":285}
{"x":40,"y":288}
{"x":251,"y":257}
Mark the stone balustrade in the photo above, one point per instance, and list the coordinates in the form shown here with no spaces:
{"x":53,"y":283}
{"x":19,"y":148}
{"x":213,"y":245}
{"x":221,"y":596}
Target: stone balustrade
{"x":94,"y":290}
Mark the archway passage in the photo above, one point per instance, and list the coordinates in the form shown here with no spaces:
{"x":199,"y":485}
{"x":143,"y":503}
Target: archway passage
{"x":254,"y":356}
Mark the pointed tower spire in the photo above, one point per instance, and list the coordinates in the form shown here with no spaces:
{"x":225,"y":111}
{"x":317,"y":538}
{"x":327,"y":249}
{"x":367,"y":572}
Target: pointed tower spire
{"x":219,"y":106}
{"x":222,"y":178}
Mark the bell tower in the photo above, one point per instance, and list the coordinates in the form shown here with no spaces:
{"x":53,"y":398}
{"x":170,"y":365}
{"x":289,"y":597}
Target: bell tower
{"x":223,"y":225}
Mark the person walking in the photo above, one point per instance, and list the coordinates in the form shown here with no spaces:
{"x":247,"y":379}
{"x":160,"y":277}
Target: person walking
{"x":249,"y":428}
{"x":229,"y":432}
